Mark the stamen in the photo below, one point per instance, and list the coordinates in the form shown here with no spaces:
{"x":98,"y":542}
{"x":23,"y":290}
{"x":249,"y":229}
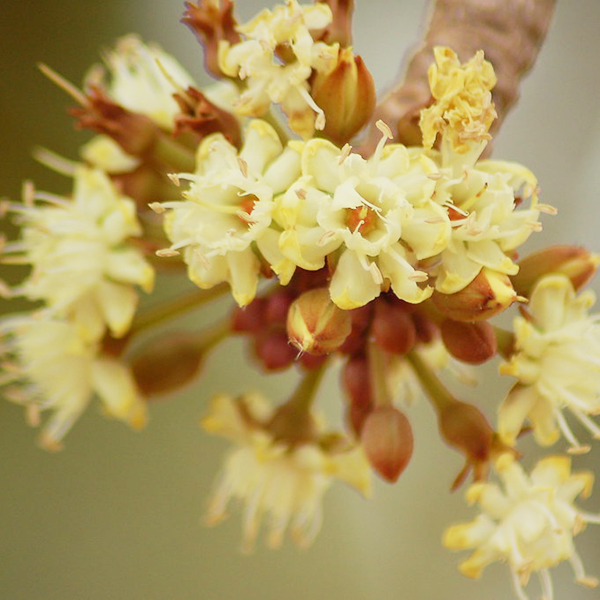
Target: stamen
{"x":157,"y":207}
{"x":174,"y":177}
{"x":167,"y":253}
{"x":576,"y":447}
{"x":546,"y":583}
{"x":418,"y":276}
{"x":28,"y":193}
{"x":301,"y":193}
{"x":547,"y":209}
{"x":519,"y":591}
{"x":64,"y":84}
{"x":325,"y":238}
{"x":346,"y":150}
{"x":54,"y":161}
{"x":376,"y":273}
{"x":243,"y":166}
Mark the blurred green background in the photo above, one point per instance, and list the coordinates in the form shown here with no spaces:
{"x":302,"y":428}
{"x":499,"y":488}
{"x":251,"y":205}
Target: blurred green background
{"x":117,"y":514}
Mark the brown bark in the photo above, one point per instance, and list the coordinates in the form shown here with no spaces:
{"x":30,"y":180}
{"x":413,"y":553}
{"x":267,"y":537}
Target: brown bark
{"x":510,"y":32}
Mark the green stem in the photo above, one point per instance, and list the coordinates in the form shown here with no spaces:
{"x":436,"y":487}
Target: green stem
{"x":303,"y":398}
{"x":175,"y":307}
{"x":177,"y":157}
{"x":437,"y":392}
{"x":213,"y":336}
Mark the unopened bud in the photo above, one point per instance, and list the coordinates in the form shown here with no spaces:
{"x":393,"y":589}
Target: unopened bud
{"x":347,"y":97}
{"x":473,"y":343}
{"x":487,"y":295}
{"x":464,"y":427}
{"x":167,"y":364}
{"x":315,"y":324}
{"x":340,"y":28}
{"x":250,"y":317}
{"x":274,"y":350}
{"x":393,"y":328}
{"x":575,"y":262}
{"x":387,"y":439}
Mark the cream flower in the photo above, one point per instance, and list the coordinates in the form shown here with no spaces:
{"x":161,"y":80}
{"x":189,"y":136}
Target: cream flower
{"x":280,"y":481}
{"x":82,"y":265}
{"x":486,"y":224}
{"x":360,"y":209}
{"x":228,"y":207}
{"x":143,"y":79}
{"x":530,"y":523}
{"x":557,"y":364}
{"x":47,"y":365}
{"x":463,"y":110}
{"x":277,"y":58}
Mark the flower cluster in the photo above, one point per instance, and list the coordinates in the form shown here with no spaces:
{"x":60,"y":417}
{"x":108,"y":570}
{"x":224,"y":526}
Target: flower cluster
{"x":390,"y":258}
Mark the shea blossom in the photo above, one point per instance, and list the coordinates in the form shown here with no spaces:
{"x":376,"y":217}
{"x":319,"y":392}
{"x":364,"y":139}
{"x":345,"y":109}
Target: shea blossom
{"x":488,"y":221}
{"x":83,"y":266}
{"x":556,"y":363}
{"x":529,"y":522}
{"x":276,"y":59}
{"x":47,"y":365}
{"x":142,"y":78}
{"x":280,"y":480}
{"x":365,"y":214}
{"x":463,"y":111}
{"x":228,"y":207}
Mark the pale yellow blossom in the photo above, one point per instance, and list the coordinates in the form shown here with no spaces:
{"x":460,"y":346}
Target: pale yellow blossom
{"x":281,"y":482}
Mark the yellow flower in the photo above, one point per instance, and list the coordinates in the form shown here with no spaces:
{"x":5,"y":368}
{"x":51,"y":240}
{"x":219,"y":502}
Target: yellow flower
{"x":557,"y":364}
{"x":48,"y":365}
{"x":487,"y":224}
{"x":361,"y":208}
{"x":277,"y":58}
{"x":82,"y":265}
{"x":275,"y":479}
{"x":228,"y":206}
{"x":143,"y":79}
{"x":463,"y":110}
{"x":529,"y":523}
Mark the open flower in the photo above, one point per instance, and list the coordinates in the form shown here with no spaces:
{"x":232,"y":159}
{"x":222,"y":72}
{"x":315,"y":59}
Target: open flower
{"x":359,"y":209}
{"x":143,"y":79}
{"x":82,"y":264}
{"x":530,"y":523}
{"x":557,"y":364}
{"x":48,"y":365}
{"x":228,"y":207}
{"x":274,"y":478}
{"x":487,"y":222}
{"x":276,"y":58}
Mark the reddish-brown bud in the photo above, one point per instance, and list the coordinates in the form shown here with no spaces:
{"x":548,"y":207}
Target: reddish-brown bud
{"x":361,"y":319}
{"x":426,"y":329}
{"x":387,"y":439}
{"x":393,"y":328}
{"x":274,"y":351}
{"x":315,"y":324}
{"x":473,"y":343}
{"x":250,"y":317}
{"x":487,"y":295}
{"x":347,"y":97}
{"x":212,"y":21}
{"x":200,"y":115}
{"x":464,"y":427}
{"x":167,"y":363}
{"x":575,"y":262}
{"x":278,"y":305}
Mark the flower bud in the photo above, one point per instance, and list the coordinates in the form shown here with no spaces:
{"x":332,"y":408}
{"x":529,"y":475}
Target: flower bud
{"x":315,"y":324}
{"x":575,"y":262}
{"x":274,"y":350}
{"x":473,"y":343}
{"x":250,"y":317}
{"x":393,"y":328}
{"x":465,"y":428}
{"x":487,"y":295}
{"x":356,"y":382}
{"x":347,"y":97}
{"x":167,"y":363}
{"x":387,"y":440}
